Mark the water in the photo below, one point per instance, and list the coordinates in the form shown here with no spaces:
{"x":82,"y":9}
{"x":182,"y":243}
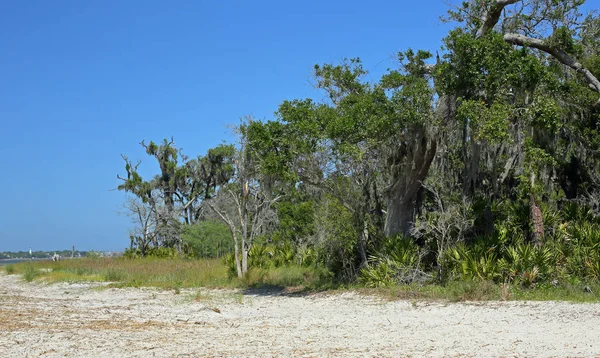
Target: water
{"x":16,"y":261}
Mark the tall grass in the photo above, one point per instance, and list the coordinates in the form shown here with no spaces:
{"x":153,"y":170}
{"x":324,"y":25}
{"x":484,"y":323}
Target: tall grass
{"x":166,"y":273}
{"x":10,"y":269}
{"x":177,"y":274}
{"x":30,"y":273}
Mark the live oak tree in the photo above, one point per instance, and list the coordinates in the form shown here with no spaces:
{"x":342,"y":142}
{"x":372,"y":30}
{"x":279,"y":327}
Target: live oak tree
{"x":522,"y":75}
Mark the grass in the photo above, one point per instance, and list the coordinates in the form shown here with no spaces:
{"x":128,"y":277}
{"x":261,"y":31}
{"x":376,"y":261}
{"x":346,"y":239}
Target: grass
{"x":176,"y":274}
{"x":289,"y":276}
{"x":461,"y":291}
{"x":172,"y":274}
{"x":30,"y":273}
{"x":10,"y":269}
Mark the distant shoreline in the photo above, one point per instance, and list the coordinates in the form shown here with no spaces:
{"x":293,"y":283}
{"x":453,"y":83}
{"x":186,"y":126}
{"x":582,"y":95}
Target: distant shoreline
{"x":16,"y":261}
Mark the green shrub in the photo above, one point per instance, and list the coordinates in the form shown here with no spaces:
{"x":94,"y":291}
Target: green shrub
{"x":208,"y":239}
{"x":162,"y":252}
{"x":288,"y":276}
{"x":380,"y":274}
{"x":262,"y":256}
{"x":398,"y":262}
{"x":132,"y":253}
{"x":229,"y":262}
{"x":472,"y":263}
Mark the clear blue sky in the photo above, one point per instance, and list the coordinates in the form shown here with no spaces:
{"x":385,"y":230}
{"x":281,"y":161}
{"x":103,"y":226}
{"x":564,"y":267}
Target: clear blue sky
{"x":83,"y":81}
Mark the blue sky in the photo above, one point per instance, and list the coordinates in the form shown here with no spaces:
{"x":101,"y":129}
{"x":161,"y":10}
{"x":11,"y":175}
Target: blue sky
{"x":83,"y":81}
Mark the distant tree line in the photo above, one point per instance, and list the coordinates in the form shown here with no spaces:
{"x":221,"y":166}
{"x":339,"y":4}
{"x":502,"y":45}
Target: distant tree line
{"x":39,"y":254}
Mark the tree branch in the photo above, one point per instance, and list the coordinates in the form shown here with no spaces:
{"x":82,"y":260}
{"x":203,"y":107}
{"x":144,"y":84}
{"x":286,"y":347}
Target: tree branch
{"x":492,"y":15}
{"x":560,"y":55}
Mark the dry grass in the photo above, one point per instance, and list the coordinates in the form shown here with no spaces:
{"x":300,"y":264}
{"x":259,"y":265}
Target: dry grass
{"x":176,"y":274}
{"x":172,"y":274}
{"x":121,"y":272}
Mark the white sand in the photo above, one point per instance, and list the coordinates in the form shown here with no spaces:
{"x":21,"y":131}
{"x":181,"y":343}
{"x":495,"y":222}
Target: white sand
{"x":77,"y":320}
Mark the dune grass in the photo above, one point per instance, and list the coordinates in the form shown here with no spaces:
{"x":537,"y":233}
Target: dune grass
{"x":124,"y":272}
{"x":163,"y":273}
{"x":176,"y":274}
{"x":10,"y":269}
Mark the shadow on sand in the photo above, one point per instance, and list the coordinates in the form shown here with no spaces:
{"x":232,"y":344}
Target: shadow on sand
{"x":277,"y":290}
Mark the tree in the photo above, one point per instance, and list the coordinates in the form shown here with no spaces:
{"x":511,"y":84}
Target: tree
{"x":245,"y":203}
{"x":159,"y":192}
{"x":523,"y":112}
{"x":142,"y":235}
{"x":173,"y":199}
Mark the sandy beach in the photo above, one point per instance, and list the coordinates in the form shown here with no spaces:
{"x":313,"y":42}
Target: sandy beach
{"x":84,"y":320}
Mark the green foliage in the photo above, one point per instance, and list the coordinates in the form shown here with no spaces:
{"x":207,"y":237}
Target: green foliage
{"x":397,"y":262}
{"x":488,"y":123}
{"x":571,"y":250}
{"x":337,"y":238}
{"x":208,"y":238}
{"x":562,"y":38}
{"x":296,"y":220}
{"x":289,"y":276}
{"x":527,"y":264}
{"x":547,"y":114}
{"x":508,"y":128}
{"x":473,"y":66}
{"x":229,"y":262}
{"x":475,"y":263}
{"x":269,"y":256}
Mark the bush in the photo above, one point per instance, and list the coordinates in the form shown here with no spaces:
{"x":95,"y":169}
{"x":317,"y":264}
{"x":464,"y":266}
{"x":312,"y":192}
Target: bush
{"x":132,"y":253}
{"x":398,"y":262}
{"x":229,"y":262}
{"x":288,"y":276}
{"x":472,"y":263}
{"x":208,"y":239}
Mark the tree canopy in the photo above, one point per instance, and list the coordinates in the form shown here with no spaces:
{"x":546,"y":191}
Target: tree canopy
{"x":448,"y":163}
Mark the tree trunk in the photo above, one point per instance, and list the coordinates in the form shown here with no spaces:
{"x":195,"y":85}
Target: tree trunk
{"x":236,"y":252}
{"x":409,"y":167}
{"x":364,"y":237}
{"x":537,"y":219}
{"x":244,"y":261}
{"x":400,"y":210}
